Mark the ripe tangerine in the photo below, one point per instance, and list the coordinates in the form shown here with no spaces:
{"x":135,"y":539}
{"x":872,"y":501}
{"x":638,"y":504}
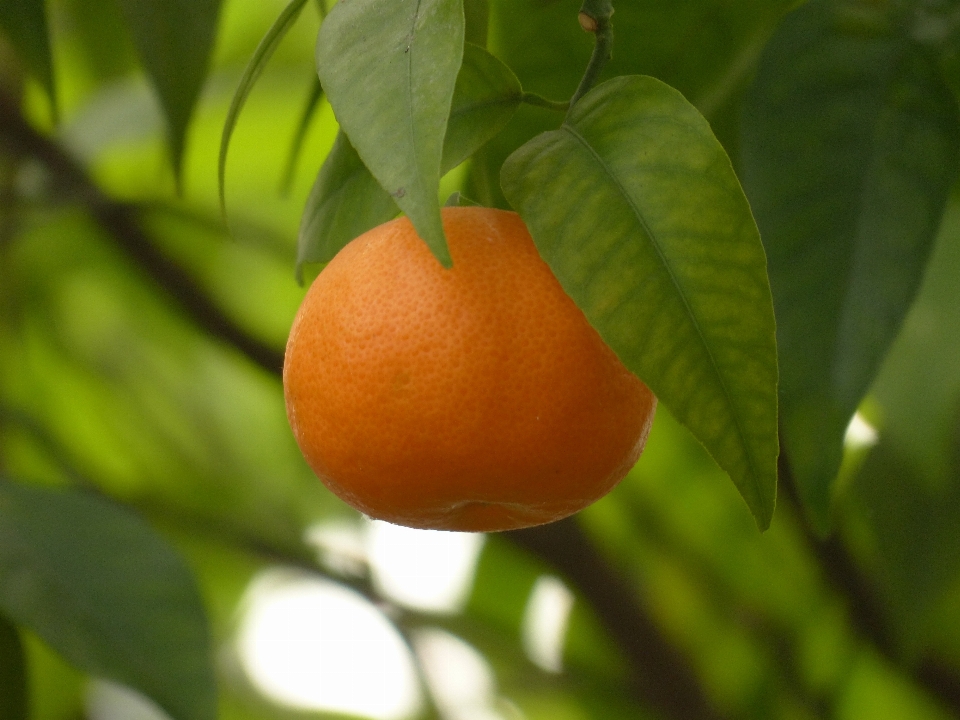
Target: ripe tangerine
{"x":474,"y":398}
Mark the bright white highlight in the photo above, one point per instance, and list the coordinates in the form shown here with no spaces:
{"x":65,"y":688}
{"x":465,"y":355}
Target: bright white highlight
{"x":428,"y":570}
{"x":545,"y":622}
{"x":460,"y":678}
{"x":341,"y":546}
{"x":315,"y":645}
{"x":107,"y":700}
{"x":860,"y":433}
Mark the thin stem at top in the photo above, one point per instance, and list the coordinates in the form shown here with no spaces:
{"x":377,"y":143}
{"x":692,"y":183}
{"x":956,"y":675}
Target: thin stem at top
{"x":595,"y":18}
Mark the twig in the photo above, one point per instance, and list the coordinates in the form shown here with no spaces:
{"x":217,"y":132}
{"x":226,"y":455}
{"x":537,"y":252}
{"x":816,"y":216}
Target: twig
{"x":662,"y":676}
{"x":121,"y":221}
{"x":843,"y":574}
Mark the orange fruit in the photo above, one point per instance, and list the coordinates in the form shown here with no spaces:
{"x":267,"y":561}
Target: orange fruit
{"x":472,"y":398}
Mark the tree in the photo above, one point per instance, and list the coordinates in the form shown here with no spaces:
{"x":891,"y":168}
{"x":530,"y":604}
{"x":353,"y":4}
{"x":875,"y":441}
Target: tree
{"x":752,"y":202}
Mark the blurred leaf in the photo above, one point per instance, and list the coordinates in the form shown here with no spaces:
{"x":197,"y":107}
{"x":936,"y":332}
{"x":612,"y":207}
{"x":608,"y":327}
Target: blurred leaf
{"x":918,"y":387}
{"x":389,"y":68}
{"x":636,"y":208}
{"x":25,"y":25}
{"x":103,"y":589}
{"x":850,"y":144}
{"x":907,"y":493}
{"x":13,"y":675}
{"x":97,"y":27}
{"x":309,"y":109}
{"x":174,"y":39}
{"x":913,"y":526}
{"x":476,"y":21}
{"x":346,"y":200}
{"x":251,"y":74}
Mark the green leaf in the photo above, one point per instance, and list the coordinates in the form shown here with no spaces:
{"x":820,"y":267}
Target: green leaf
{"x":389,"y":68}
{"x":850,"y":142}
{"x":486,"y":95}
{"x":309,"y":109}
{"x":346,"y":200}
{"x":251,"y":74}
{"x":634,"y":205}
{"x":25,"y":25}
{"x":108,"y":593}
{"x":13,"y":673}
{"x":174,"y":39}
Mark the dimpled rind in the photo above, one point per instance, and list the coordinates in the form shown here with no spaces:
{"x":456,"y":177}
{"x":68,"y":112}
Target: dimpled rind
{"x":472,"y":398}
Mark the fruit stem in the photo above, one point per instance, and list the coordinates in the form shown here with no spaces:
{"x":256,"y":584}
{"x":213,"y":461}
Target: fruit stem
{"x":595,"y":18}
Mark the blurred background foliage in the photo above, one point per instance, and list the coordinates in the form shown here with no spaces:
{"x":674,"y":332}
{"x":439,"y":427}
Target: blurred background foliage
{"x":152,"y":497}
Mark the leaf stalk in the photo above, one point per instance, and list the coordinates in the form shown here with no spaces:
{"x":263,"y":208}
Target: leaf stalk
{"x":595,"y":17}
{"x":540,"y":101}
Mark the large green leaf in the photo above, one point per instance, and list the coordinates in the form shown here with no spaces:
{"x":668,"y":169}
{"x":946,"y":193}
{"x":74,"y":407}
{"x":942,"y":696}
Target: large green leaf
{"x":346,"y":200}
{"x":636,"y":208}
{"x":263,"y":53}
{"x":174,"y":39}
{"x":389,"y":68}
{"x":108,"y":593}
{"x":851,"y":142}
{"x":13,"y":675}
{"x":25,"y":24}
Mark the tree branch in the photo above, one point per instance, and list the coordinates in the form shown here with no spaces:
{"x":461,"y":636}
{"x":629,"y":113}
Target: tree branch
{"x":844,"y":576}
{"x":662,"y":677}
{"x":122,"y":223}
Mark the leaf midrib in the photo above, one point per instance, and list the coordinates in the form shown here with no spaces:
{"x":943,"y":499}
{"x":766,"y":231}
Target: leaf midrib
{"x":568,"y":127}
{"x":411,"y":124}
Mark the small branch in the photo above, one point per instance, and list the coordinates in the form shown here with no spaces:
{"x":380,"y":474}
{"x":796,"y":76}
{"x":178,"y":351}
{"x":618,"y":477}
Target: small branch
{"x":121,"y":221}
{"x":595,"y":18}
{"x":845,"y":577}
{"x":540,"y":101}
{"x":662,"y":676}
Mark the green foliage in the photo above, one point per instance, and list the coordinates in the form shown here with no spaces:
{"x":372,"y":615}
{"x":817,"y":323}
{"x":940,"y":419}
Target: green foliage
{"x":851,"y":142}
{"x":346,"y":200}
{"x":100,"y":586}
{"x":255,"y":67}
{"x":174,"y":39}
{"x":141,"y":343}
{"x":634,"y":205}
{"x":24,"y":22}
{"x":908,"y":494}
{"x":13,"y":676}
{"x":390,"y":68}
{"x":309,"y":110}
